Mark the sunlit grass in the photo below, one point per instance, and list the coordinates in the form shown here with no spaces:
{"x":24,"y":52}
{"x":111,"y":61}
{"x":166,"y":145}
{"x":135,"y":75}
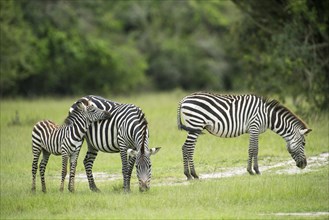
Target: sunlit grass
{"x":235,"y":197}
{"x":239,"y":197}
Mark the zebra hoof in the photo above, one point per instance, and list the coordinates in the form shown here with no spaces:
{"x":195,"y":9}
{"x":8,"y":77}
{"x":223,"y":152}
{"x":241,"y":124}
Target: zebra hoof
{"x":256,"y":169}
{"x":95,"y":190}
{"x":195,"y":176}
{"x":188,"y":176}
{"x":251,"y":172}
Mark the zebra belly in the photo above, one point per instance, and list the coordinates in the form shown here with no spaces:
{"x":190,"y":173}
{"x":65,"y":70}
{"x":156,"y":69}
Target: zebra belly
{"x":108,"y":149}
{"x":225,"y":131}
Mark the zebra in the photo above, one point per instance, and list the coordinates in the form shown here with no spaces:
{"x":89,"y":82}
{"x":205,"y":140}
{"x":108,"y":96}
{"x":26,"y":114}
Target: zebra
{"x":126,"y":132}
{"x":65,"y":140}
{"x":233,"y":115}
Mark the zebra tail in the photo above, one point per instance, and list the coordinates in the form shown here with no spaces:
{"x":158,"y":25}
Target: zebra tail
{"x":179,"y":122}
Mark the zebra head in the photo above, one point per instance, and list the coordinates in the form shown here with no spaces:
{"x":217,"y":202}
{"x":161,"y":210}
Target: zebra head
{"x":143,"y":165}
{"x":143,"y":161}
{"x":89,"y":110}
{"x":295,"y":146}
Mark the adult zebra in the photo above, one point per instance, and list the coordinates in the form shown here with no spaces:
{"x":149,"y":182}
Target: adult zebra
{"x":233,"y":115}
{"x":126,"y":132}
{"x":65,"y":140}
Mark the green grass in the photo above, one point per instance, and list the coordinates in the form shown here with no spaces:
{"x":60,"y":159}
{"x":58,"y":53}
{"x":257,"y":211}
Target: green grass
{"x":246,"y":197}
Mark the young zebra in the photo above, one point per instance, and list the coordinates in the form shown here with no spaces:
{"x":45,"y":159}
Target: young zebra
{"x":126,"y":132}
{"x":233,"y":115}
{"x":65,"y":140}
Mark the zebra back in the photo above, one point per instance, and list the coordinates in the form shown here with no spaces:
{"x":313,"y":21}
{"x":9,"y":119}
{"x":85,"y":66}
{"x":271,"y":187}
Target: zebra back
{"x":99,"y":102}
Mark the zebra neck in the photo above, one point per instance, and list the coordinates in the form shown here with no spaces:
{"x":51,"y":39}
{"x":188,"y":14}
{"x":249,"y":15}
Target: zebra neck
{"x":77,"y":126}
{"x":283,"y":123}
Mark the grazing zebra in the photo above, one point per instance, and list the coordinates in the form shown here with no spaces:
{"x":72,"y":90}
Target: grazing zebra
{"x":126,"y":132}
{"x":65,"y":140}
{"x":233,"y":115}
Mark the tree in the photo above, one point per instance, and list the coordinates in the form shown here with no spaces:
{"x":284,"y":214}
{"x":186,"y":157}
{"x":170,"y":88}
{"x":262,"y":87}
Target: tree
{"x":18,"y":56}
{"x":283,"y":49}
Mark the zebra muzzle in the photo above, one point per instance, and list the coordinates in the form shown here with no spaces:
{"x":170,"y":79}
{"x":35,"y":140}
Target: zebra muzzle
{"x":143,"y":186}
{"x":301,"y":164}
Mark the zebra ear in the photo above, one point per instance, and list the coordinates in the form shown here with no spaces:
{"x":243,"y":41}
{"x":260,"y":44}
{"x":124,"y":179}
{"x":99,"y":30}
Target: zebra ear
{"x":154,"y":150}
{"x":305,"y":131}
{"x":86,"y":102}
{"x":80,"y":105}
{"x":71,"y":110}
{"x":131,"y":152}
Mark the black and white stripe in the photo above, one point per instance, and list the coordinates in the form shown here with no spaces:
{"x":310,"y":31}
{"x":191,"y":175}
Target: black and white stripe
{"x":126,"y":132}
{"x":66,"y":140}
{"x":233,"y":115}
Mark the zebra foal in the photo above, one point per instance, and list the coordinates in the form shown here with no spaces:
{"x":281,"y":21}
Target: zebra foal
{"x":233,"y":115}
{"x":126,"y":132}
{"x":66,"y":140}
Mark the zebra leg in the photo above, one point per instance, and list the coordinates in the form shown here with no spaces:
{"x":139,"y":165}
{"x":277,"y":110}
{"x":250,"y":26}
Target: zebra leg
{"x":256,"y":169}
{"x":65,"y":158}
{"x":185,"y":161}
{"x":88,"y":162}
{"x":131,"y":163}
{"x":253,"y":153}
{"x":43,"y":164}
{"x":249,"y":169}
{"x":126,"y":178}
{"x":188,"y":152}
{"x":73,"y":164}
{"x":36,"y":155}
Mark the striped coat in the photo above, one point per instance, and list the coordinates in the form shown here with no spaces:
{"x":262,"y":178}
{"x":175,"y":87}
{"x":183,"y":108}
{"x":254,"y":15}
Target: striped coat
{"x":65,"y":140}
{"x":233,"y":115}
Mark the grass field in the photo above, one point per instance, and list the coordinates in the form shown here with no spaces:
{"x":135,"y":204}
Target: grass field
{"x":171,"y":196}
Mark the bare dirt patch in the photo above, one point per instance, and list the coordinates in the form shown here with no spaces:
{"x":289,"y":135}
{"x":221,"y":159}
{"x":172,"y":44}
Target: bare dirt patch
{"x":286,"y":167}
{"x":301,"y":214}
{"x":98,"y":176}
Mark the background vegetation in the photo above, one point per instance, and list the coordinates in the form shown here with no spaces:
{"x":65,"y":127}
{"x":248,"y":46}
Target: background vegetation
{"x":64,"y":47}
{"x":70,"y":48}
{"x":171,"y":196}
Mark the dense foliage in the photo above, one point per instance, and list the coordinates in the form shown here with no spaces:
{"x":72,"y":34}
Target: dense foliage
{"x":73,"y":47}
{"x":283,"y":48}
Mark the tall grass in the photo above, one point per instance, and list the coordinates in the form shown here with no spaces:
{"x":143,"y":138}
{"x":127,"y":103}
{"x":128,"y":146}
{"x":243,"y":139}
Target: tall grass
{"x":235,"y":197}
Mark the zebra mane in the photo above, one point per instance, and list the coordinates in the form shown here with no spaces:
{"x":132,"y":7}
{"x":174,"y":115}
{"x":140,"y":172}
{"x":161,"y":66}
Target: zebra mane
{"x":144,"y":126}
{"x":279,"y":107}
{"x":68,"y":121}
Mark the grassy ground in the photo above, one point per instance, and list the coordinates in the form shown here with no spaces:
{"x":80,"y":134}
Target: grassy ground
{"x":246,"y":197}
